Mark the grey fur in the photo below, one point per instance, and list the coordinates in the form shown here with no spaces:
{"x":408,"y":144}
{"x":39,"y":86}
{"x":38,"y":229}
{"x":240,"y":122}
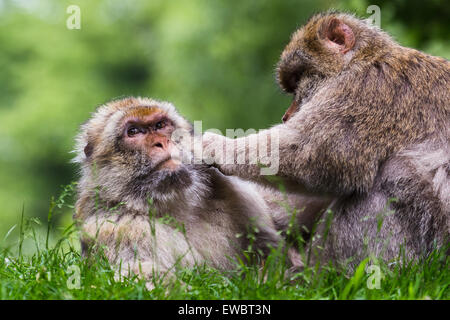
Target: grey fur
{"x":372,"y":124}
{"x":209,"y":216}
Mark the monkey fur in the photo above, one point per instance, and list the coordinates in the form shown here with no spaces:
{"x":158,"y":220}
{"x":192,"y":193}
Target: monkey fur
{"x":147,"y":220}
{"x":370,"y":126}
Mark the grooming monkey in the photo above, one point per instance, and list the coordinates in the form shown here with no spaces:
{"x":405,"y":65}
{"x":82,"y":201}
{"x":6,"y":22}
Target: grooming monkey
{"x":370,"y":125}
{"x":142,"y":201}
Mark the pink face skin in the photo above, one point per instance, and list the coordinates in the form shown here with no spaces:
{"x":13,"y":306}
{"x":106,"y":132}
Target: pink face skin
{"x":290,"y":111}
{"x":151,"y":132}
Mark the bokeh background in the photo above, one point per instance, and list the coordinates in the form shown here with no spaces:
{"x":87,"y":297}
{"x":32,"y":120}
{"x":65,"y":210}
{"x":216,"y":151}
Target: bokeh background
{"x":213,"y":59}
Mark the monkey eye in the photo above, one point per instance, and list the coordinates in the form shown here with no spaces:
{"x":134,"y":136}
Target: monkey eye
{"x":132,"y":131}
{"x":160,"y":124}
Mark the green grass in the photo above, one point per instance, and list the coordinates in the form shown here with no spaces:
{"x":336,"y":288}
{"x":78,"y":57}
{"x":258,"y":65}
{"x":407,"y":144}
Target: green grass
{"x":49,"y":270}
{"x":49,"y":274}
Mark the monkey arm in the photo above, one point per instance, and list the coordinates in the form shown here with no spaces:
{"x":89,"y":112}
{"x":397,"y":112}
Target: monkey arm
{"x":269,"y":157}
{"x":255,"y":157}
{"x":312,"y":152}
{"x":294,"y":213}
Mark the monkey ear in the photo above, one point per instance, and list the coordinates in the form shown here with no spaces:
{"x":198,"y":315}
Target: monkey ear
{"x":88,"y":150}
{"x":339,"y":35}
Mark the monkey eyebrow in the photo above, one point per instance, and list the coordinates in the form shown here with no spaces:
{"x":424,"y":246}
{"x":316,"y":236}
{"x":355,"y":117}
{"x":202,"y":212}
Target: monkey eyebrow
{"x":159,"y":118}
{"x":141,"y":123}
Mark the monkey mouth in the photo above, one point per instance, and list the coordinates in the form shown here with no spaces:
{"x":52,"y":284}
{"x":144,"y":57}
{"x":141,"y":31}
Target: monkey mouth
{"x":169,"y":163}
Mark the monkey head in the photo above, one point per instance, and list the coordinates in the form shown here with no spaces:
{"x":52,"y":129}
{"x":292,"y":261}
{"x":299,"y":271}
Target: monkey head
{"x":321,"y":49}
{"x":134,"y":149}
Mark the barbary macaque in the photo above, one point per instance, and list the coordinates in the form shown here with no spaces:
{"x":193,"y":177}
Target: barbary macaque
{"x":143,"y":201}
{"x":369,"y":125}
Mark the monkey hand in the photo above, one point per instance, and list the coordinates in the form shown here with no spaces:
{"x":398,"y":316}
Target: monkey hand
{"x":221,"y":152}
{"x":228,"y":155}
{"x":214,"y":149}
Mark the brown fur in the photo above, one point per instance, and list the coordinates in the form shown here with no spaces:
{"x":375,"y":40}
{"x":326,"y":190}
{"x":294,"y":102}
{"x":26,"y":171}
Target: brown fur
{"x":372,"y":123}
{"x":197,"y":215}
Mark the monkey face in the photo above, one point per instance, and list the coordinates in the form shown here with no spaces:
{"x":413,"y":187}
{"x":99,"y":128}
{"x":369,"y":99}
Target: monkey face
{"x":305,"y":89}
{"x":290,"y":111}
{"x":134,"y":148}
{"x":149,"y":133}
{"x":155,"y":159}
{"x":317,"y":51}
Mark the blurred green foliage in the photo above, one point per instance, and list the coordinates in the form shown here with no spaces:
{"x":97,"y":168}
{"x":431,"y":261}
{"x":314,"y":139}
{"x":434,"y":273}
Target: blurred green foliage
{"x":213,"y":59}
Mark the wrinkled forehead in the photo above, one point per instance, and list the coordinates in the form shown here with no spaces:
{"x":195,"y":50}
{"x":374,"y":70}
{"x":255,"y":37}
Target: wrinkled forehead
{"x":143,"y":112}
{"x":113,"y":116}
{"x":133,"y":113}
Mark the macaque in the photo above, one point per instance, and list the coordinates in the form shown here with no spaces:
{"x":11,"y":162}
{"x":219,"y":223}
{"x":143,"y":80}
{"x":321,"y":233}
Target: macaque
{"x":150,"y":208}
{"x":369,"y":125}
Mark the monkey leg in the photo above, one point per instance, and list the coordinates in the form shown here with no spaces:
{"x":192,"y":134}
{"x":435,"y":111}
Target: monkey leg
{"x":376,"y":226}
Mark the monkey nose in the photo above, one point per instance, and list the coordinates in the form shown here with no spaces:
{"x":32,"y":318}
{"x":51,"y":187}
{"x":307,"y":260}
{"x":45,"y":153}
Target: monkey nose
{"x":290,"y":111}
{"x":160,"y":142}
